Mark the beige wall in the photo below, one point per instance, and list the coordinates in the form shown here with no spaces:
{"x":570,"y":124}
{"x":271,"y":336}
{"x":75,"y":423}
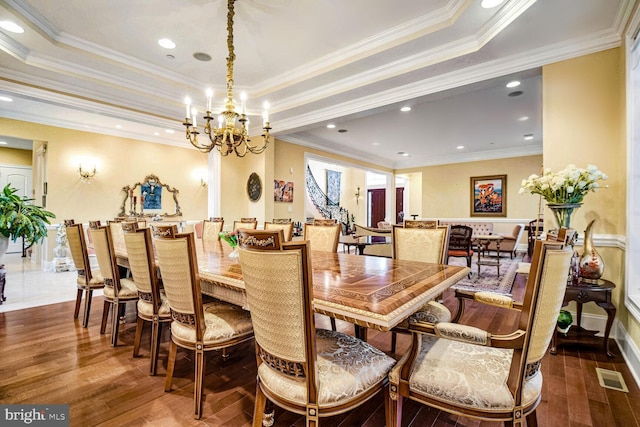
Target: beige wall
{"x":119,"y":162}
{"x":446,"y":189}
{"x":13,"y":156}
{"x":584,"y":123}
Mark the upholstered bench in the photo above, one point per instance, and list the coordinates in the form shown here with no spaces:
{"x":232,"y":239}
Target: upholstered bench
{"x":479,"y":228}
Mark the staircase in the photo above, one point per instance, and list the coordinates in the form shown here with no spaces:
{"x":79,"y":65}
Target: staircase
{"x":321,"y":202}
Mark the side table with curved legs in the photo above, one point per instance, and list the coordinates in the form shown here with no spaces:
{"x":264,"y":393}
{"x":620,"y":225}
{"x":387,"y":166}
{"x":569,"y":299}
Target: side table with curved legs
{"x":600,"y":293}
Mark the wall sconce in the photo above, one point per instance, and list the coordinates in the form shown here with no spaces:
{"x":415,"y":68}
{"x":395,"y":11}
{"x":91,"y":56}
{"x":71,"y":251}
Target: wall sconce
{"x":203,"y":183}
{"x":86,"y":176}
{"x":357,"y":195}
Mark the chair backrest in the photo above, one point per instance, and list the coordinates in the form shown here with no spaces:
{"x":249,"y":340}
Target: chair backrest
{"x":78,"y":247}
{"x":187,"y":228}
{"x":142,"y":264}
{"x":421,"y":244}
{"x":286,"y":227}
{"x":177,"y":260}
{"x":460,"y":238}
{"x":161,"y":230}
{"x":211,"y":230}
{"x":281,"y":220}
{"x":69,"y":222}
{"x":384,"y":225}
{"x":420,"y":223}
{"x":103,"y":247}
{"x":117,"y":234}
{"x":251,"y":225}
{"x":535,"y":227}
{"x":280,"y":296}
{"x":317,"y":221}
{"x":323,"y":238}
{"x":545,"y":291}
{"x":216,"y":219}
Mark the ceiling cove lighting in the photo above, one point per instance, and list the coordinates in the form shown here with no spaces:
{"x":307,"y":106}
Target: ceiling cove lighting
{"x":227,"y":138}
{"x":12,"y":27}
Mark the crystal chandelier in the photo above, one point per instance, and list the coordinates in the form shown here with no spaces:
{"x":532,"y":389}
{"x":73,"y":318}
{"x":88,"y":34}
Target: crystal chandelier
{"x":227,"y":137}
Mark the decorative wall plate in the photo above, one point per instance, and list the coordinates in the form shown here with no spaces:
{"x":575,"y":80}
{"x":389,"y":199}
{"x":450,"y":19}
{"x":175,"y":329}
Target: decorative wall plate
{"x":254,"y":187}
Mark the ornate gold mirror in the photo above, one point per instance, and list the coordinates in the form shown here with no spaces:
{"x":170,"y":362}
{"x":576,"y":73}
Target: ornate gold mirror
{"x":148,"y":198}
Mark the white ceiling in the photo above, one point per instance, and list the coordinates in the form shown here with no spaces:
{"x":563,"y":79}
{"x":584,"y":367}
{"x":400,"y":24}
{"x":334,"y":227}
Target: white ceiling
{"x":97,"y":65}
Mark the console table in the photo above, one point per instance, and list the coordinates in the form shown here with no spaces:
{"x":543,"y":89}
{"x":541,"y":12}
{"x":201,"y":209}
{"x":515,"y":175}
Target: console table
{"x":600,"y":293}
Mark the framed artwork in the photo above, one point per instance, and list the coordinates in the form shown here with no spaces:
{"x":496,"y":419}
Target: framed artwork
{"x":282,"y":191}
{"x":489,"y":195}
{"x":254,"y":187}
{"x":333,"y":187}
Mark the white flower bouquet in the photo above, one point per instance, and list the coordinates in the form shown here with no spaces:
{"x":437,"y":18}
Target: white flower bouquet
{"x":569,"y":185}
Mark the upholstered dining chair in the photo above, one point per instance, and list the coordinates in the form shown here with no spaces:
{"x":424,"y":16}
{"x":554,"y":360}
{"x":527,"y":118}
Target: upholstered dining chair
{"x":323,"y":236}
{"x":420,"y":223}
{"x":460,"y":243}
{"x":467,"y":371}
{"x":286,"y":227}
{"x":195,"y":326}
{"x":117,"y":290}
{"x":281,"y":220}
{"x":211,"y":230}
{"x":324,"y":221}
{"x":245,"y":223}
{"x":308,"y":371}
{"x":426,"y":245}
{"x":153,"y":306}
{"x":87,"y":280}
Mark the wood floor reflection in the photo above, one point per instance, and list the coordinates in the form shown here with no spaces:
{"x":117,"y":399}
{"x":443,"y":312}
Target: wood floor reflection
{"x":48,"y":358}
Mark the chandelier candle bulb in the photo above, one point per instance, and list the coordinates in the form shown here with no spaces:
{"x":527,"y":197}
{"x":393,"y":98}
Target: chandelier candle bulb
{"x":187,"y":101}
{"x":194,"y":112}
{"x":209,"y":93}
{"x":243,"y":98}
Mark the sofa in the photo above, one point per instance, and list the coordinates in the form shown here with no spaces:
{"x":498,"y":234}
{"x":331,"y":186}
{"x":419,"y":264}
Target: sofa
{"x":479,"y":228}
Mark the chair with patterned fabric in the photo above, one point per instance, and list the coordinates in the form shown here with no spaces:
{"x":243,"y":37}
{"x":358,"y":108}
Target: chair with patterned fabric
{"x":153,"y":306}
{"x":87,"y":280}
{"x":211,"y":230}
{"x":467,"y":371}
{"x":425,"y":245}
{"x":308,"y":371}
{"x":287,"y":228}
{"x":324,"y":221}
{"x":420,"y":223}
{"x":245,"y":223}
{"x":117,"y":290}
{"x":323,"y":238}
{"x":195,"y":326}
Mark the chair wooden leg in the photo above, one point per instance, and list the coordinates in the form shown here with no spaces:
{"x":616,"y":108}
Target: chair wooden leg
{"x":395,"y":415}
{"x":173,"y":349}
{"x":156,"y":332}
{"x":532,"y":419}
{"x":105,"y":315}
{"x":333,"y":323}
{"x":76,"y":312}
{"x":394,"y":339}
{"x":460,"y":311}
{"x":199,"y":380}
{"x":138,"y":337}
{"x":259,"y":408}
{"x":115,"y":324}
{"x":269,"y":416}
{"x":388,"y":405}
{"x":87,"y":308}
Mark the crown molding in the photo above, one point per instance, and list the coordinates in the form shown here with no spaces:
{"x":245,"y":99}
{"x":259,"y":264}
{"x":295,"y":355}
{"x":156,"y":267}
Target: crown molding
{"x":13,"y":48}
{"x":408,"y":163}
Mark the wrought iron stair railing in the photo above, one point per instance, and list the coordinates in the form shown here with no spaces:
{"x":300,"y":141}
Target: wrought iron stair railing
{"x":328,"y":209}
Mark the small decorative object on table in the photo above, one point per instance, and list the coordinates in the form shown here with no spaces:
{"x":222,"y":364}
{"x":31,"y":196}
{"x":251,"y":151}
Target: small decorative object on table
{"x":591,"y":264}
{"x":563,"y":191}
{"x":232,"y":239}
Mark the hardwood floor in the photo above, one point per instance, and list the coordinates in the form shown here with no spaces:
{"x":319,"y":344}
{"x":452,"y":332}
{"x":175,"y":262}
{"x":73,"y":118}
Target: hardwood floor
{"x":48,"y":358}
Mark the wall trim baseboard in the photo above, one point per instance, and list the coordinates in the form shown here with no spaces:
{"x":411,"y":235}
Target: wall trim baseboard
{"x":629,"y":350}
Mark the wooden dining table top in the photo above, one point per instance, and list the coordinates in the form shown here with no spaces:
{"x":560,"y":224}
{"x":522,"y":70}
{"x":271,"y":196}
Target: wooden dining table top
{"x":372,"y":292}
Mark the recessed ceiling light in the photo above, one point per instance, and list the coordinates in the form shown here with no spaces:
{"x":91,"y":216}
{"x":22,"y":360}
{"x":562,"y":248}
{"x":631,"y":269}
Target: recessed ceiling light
{"x":169,"y":56}
{"x":6,"y":99}
{"x":514,"y":83}
{"x":375,"y":144}
{"x":523,"y":119}
{"x":402,"y":153}
{"x":3,"y":142}
{"x":516,"y":93}
{"x":156,"y":134}
{"x":342,"y":130}
{"x":405,"y":109}
{"x":169,"y":131}
{"x":331,"y":126}
{"x":488,"y":4}
{"x":460,"y":147}
{"x":167,"y":43}
{"x":528,"y":136}
{"x":118,"y":126}
{"x":11,"y":27}
{"x":201,"y":56}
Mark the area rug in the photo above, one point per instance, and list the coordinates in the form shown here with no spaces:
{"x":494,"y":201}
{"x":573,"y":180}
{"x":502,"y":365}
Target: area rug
{"x":488,"y":279}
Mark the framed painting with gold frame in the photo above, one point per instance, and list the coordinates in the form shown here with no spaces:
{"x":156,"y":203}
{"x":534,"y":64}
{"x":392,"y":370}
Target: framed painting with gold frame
{"x":489,"y":195}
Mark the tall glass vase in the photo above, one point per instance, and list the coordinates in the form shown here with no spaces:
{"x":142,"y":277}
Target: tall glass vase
{"x":562,"y":213}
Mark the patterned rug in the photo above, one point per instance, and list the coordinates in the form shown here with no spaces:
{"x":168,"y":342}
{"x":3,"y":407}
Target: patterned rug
{"x":488,"y":279}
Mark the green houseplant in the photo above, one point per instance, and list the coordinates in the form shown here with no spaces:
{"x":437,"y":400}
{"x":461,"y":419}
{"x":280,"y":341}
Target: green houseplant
{"x":21,"y":218}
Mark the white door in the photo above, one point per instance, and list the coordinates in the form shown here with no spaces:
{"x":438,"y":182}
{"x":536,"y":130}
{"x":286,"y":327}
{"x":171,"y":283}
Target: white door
{"x":20,"y":178}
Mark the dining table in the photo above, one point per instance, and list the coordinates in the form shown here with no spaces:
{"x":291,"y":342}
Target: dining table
{"x":370,"y":292}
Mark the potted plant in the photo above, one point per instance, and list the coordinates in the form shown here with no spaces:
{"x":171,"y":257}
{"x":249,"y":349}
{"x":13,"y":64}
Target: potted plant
{"x":19,"y":217}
